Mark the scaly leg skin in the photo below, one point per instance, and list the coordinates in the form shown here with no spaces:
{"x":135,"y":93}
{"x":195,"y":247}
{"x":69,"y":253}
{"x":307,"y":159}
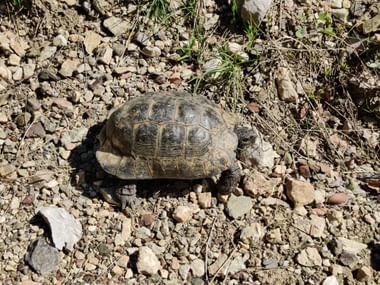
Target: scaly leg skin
{"x":127,"y":196}
{"x":229,"y":180}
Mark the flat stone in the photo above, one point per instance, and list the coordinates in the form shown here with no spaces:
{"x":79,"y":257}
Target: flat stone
{"x":252,"y":233}
{"x":299,"y":192}
{"x":338,"y":198}
{"x":68,"y":67}
{"x":182,"y":214}
{"x":91,"y":41}
{"x":105,"y":56}
{"x":221,"y":259}
{"x":15,"y":203}
{"x":36,"y":130}
{"x":3,"y":118}
{"x":14,"y":59}
{"x":42,"y":257}
{"x":197,"y":267}
{"x":352,"y":246}
{"x":116,"y":26}
{"x":348,"y":259}
{"x":237,"y":264}
{"x":126,"y":232}
{"x":47,"y":52}
{"x":341,"y":14}
{"x":317,"y":226}
{"x":66,"y":231}
{"x":28,"y":69}
{"x":5,"y":73}
{"x":7,"y":170}
{"x":64,"y":104}
{"x":238,"y":206}
{"x":309,"y":147}
{"x":371,"y":25}
{"x":336,"y":3}
{"x":151,"y":51}
{"x":309,"y":257}
{"x":142,"y":39}
{"x":286,"y":87}
{"x":147,"y":261}
{"x":123,"y":261}
{"x":18,"y":45}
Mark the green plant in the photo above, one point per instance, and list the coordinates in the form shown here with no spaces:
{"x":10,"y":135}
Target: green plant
{"x":190,"y":8}
{"x":228,"y":75}
{"x":326,"y":21}
{"x":160,"y":10}
{"x":234,"y":7}
{"x":300,"y":32}
{"x":192,"y":51}
{"x":18,"y":4}
{"x":252,"y":34}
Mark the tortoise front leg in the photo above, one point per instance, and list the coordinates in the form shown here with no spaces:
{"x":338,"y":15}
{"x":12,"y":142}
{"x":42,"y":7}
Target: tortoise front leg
{"x":127,"y":195}
{"x":229,"y":179}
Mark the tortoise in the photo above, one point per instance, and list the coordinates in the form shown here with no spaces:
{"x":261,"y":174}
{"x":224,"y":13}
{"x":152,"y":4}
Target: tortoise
{"x":171,"y":136}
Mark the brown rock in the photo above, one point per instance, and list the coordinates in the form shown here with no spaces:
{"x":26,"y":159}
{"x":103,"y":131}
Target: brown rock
{"x":182,"y":214}
{"x":320,"y":211}
{"x":338,"y":199}
{"x":253,"y":107}
{"x":147,"y":219}
{"x":36,"y":130}
{"x":299,"y":192}
{"x":258,"y":184}
{"x":364,"y":273}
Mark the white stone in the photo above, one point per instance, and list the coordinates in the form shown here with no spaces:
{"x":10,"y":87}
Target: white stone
{"x":60,"y":41}
{"x":147,"y":261}
{"x":66,"y":231}
{"x":14,"y":59}
{"x":197,"y":267}
{"x":331,"y":280}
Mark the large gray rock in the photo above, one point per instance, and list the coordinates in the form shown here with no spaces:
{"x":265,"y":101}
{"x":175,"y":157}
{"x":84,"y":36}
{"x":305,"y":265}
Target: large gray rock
{"x":253,"y":11}
{"x":66,"y":231}
{"x":42,"y":257}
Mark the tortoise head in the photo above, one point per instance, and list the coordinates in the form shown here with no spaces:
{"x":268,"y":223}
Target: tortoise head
{"x":246,"y":136}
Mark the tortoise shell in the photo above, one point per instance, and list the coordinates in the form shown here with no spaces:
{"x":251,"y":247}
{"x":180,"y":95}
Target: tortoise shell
{"x":167,"y":136}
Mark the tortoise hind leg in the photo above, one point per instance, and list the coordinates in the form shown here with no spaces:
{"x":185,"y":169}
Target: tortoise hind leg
{"x":229,"y":179}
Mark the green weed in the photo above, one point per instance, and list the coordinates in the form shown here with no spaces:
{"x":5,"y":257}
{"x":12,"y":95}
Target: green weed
{"x":252,"y":34}
{"x":18,"y":4}
{"x":228,"y":74}
{"x":159,"y":10}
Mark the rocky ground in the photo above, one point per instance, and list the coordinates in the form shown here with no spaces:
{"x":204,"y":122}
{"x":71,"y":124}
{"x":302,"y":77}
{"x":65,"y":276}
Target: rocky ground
{"x":307,"y":78}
